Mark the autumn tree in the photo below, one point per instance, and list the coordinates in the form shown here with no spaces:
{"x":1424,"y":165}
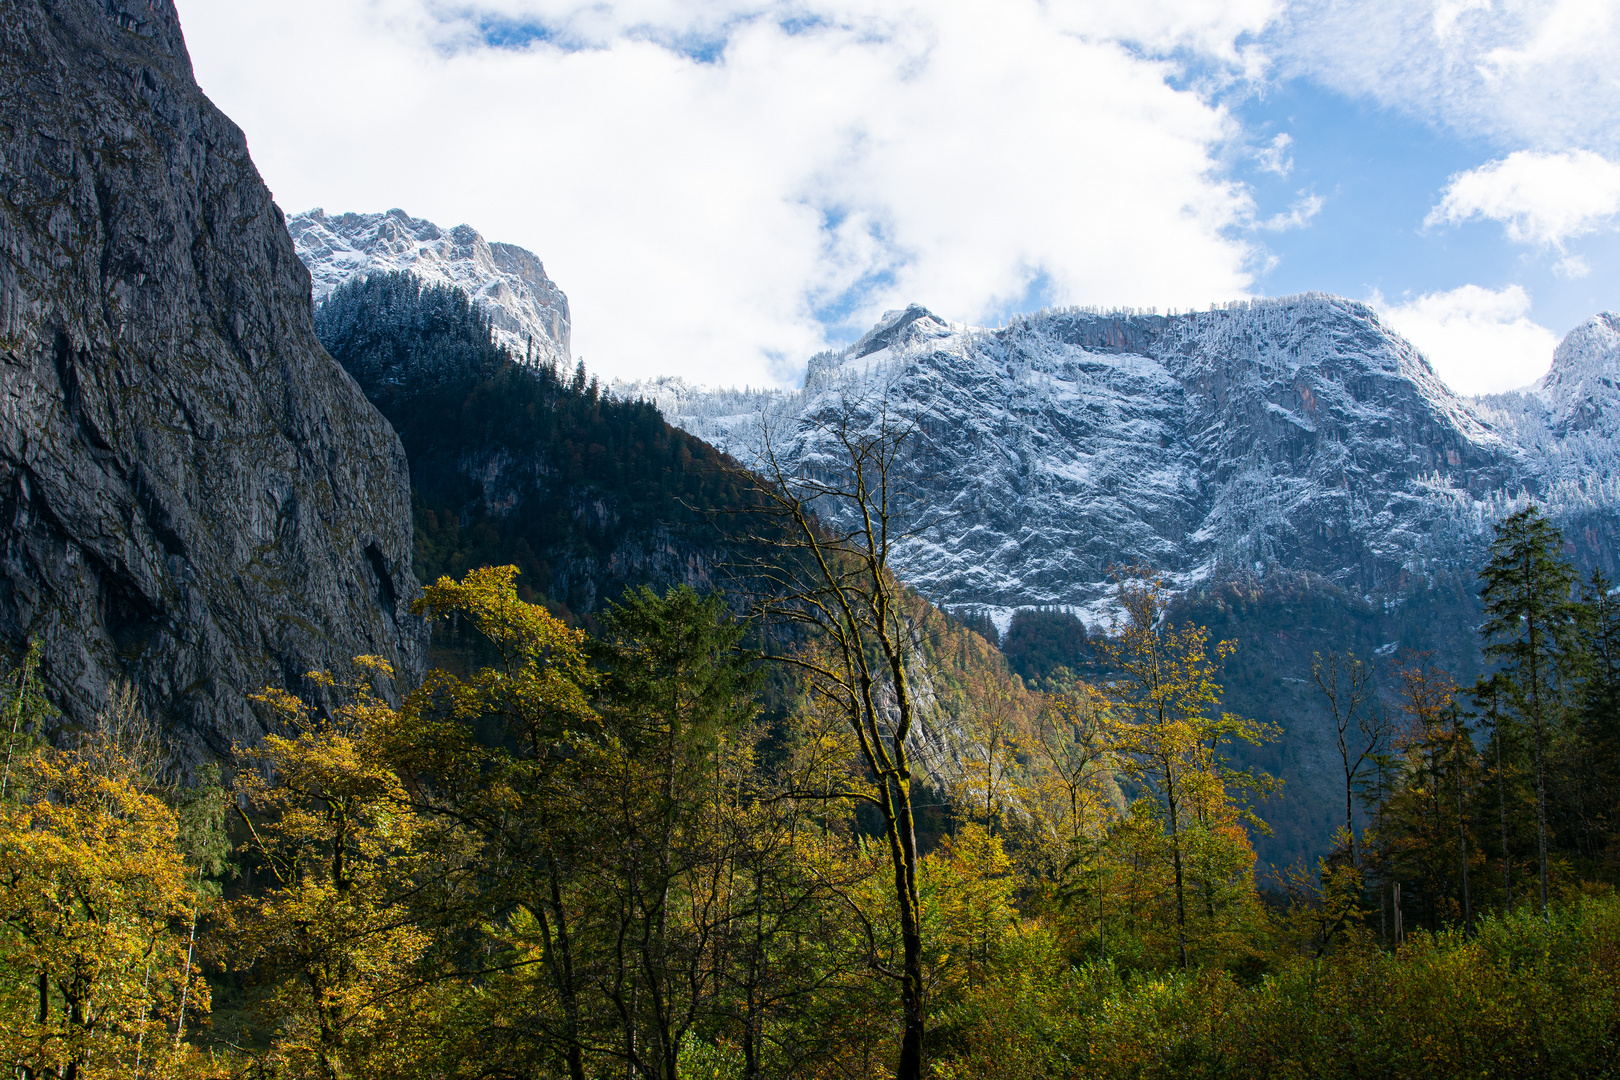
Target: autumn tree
{"x":336,"y":929}
{"x":1171,"y":740}
{"x":96,"y":896}
{"x":499,"y":753}
{"x":837,"y":526}
{"x":1075,"y":733}
{"x":986,"y":763}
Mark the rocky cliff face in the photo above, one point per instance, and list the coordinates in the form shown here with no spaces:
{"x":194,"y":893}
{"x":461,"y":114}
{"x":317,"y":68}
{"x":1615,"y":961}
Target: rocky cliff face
{"x":1298,"y":434}
{"x":527,"y":310}
{"x":1568,"y":427}
{"x":192,"y":493}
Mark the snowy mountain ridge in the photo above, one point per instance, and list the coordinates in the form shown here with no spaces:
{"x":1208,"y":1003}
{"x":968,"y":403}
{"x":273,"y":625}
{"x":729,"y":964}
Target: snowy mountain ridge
{"x":1299,"y":434}
{"x":528,"y":310}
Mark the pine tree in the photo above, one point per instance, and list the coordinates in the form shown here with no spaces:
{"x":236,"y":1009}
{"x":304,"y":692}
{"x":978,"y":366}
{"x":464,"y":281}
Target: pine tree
{"x":1528,"y":629}
{"x":1597,"y":716}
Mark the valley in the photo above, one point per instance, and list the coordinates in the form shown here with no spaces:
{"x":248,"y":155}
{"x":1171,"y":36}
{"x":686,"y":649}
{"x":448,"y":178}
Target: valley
{"x":1104,"y":694}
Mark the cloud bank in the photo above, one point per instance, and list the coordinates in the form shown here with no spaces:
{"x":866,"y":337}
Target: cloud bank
{"x":725,"y":187}
{"x":1480,"y":341}
{"x":1524,"y":74}
{"x":1539,"y":198}
{"x":721,"y":188}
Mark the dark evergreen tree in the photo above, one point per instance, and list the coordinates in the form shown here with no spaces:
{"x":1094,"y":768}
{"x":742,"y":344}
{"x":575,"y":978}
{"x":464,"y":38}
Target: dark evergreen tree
{"x":1530,"y":621}
{"x":528,"y":465}
{"x":1596,"y":738}
{"x":1039,"y":642}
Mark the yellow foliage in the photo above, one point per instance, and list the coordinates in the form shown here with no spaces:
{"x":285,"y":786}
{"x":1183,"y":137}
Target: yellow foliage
{"x":95,"y":902}
{"x":339,"y":834}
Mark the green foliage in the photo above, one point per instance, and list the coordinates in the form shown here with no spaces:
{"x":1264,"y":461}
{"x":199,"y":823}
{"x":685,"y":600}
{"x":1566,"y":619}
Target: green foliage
{"x":1520,"y":998}
{"x":1042,"y":644}
{"x":588,"y":856}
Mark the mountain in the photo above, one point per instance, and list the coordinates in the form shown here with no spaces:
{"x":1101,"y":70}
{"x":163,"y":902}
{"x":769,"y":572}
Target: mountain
{"x":528,"y":312}
{"x":193,"y":495}
{"x":1296,"y":435}
{"x":523,"y":464}
{"x":1298,"y":470}
{"x":590,"y":495}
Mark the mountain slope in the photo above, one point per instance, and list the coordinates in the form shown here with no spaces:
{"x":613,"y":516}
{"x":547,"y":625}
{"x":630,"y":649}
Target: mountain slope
{"x":518,"y":463}
{"x":1296,"y":434}
{"x":192,"y":493}
{"x":529,"y":313}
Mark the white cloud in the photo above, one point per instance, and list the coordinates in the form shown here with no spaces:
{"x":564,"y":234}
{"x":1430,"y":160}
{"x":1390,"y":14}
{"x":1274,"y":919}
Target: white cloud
{"x":1480,"y":341}
{"x":713,"y":184}
{"x":1572,"y":267}
{"x":1539,"y":198}
{"x":1536,"y":73}
{"x":1297,"y":216}
{"x":1274,"y":157}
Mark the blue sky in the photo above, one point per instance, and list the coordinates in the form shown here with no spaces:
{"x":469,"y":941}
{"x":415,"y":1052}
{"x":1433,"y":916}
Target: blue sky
{"x":725,"y":187}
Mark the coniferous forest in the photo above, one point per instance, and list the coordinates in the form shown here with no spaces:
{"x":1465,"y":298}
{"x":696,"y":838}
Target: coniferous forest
{"x":757,"y":810}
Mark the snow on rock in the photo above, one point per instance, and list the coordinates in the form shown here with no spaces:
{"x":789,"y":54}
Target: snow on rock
{"x":529,"y":312}
{"x":1568,"y":424}
{"x":1299,"y":433}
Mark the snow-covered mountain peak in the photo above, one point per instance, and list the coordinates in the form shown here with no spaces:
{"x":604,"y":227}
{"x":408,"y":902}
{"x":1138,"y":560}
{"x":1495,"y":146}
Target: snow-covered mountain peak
{"x":1584,"y":380}
{"x":528,"y":310}
{"x":913,"y":323}
{"x":1591,"y":348}
{"x":1298,"y":433}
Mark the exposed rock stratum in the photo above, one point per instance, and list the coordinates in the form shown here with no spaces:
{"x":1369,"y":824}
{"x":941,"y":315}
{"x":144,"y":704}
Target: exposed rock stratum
{"x":193,"y":494}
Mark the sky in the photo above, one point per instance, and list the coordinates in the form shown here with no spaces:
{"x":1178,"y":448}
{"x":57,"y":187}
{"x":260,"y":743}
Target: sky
{"x":725,"y":187}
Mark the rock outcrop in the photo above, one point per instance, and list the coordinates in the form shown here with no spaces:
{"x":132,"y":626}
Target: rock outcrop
{"x":193,"y":494}
{"x":526,"y":309}
{"x":1298,"y":434}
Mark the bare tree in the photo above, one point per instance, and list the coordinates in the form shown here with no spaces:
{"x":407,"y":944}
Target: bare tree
{"x":1347,"y":683}
{"x":985,"y":767}
{"x":830,"y":571}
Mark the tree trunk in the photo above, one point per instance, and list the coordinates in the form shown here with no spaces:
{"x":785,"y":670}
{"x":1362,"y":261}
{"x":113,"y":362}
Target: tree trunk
{"x":1541,"y":816}
{"x":903,"y":847}
{"x":562,"y":974}
{"x":1541,"y":778}
{"x":1175,"y":855}
{"x":1501,"y":802}
{"x":1462,"y":844}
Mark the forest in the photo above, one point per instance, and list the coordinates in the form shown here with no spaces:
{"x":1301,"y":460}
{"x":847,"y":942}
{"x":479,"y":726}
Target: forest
{"x":820,"y":830}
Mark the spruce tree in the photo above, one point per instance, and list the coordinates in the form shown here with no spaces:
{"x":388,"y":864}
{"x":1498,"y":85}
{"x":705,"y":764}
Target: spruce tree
{"x":1529,"y":631}
{"x":1597,"y":715}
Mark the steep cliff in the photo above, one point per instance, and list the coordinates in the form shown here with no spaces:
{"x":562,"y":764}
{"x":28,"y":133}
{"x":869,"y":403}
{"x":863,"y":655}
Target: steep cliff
{"x":192,"y":492}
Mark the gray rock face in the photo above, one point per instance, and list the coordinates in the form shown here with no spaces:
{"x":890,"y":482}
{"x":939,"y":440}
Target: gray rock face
{"x":1296,"y":433}
{"x":528,"y":311}
{"x":192,"y":493}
